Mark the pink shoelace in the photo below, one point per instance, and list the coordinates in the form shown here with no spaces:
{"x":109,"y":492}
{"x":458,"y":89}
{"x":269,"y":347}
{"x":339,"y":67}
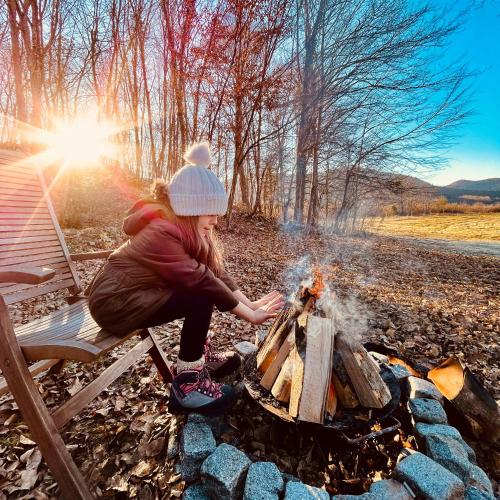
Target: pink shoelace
{"x":210,"y":355}
{"x":204,"y":384}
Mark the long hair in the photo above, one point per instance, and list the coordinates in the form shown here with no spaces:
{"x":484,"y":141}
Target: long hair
{"x":207,"y":251}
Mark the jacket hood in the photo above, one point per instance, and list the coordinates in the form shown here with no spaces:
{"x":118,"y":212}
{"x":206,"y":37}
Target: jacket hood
{"x":141,"y":214}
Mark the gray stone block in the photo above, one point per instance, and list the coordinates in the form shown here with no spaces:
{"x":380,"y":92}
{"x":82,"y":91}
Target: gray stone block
{"x":215,"y":423}
{"x":450,"y":454}
{"x":264,"y":481}
{"x":420,"y":388}
{"x":400,"y":372}
{"x":364,"y":496}
{"x":478,"y":479}
{"x":290,"y":477}
{"x":197,"y":443}
{"x":427,"y":410}
{"x":260,"y":337}
{"x":424,"y":430}
{"x":196,"y":492}
{"x":389,"y":488}
{"x":301,"y":491}
{"x":472,"y":493}
{"x":428,"y":479}
{"x":245,"y":348}
{"x":224,"y":471}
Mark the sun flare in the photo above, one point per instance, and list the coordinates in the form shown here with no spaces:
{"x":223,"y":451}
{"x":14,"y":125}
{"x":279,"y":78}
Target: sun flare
{"x":82,"y":142}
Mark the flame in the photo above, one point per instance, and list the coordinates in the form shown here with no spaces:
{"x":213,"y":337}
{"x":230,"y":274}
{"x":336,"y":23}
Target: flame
{"x":318,"y":285}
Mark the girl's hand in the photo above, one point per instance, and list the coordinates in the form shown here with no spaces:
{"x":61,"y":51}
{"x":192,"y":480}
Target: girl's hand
{"x":268,"y":310}
{"x":260,"y":316}
{"x":269,"y":298}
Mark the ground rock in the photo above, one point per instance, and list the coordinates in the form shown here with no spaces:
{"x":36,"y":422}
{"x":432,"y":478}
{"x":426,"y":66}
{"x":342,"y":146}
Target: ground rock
{"x":290,"y":477}
{"x":197,"y":443}
{"x":450,"y":454}
{"x":259,"y":337}
{"x":300,"y":491}
{"x":245,"y":348}
{"x":400,"y":372}
{"x":472,"y":493}
{"x":264,"y":481}
{"x":364,"y":496}
{"x":428,"y":478}
{"x":196,"y":492}
{"x":420,"y":388}
{"x":427,"y":410}
{"x":424,"y":430}
{"x":478,"y":479}
{"x":390,"y":488}
{"x":224,"y":471}
{"x":215,"y":423}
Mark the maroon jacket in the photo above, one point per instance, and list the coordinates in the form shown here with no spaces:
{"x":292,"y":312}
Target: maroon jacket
{"x":144,"y":273}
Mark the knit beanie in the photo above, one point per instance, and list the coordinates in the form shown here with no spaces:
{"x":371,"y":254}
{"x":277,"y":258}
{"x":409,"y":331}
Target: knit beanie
{"x":194,"y":189}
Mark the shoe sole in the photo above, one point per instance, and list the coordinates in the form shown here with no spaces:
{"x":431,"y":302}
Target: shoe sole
{"x":215,"y":409}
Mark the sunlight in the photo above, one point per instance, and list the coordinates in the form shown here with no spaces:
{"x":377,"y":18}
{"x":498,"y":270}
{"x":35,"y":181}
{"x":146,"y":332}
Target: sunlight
{"x":82,"y":142}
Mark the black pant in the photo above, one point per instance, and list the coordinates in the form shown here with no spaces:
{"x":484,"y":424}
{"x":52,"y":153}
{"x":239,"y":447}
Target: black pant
{"x":197,"y":311}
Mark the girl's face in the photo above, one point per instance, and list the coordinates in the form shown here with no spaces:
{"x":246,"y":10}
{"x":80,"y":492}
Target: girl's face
{"x":205,"y":224}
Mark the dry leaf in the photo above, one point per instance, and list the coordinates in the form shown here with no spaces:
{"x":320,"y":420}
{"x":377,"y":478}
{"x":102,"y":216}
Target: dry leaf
{"x":30,"y":474}
{"x":24,"y":440}
{"x":75,"y":387}
{"x":143,"y":468}
{"x":155,"y":447}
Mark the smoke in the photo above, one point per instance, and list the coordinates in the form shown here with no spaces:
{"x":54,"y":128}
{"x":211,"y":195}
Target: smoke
{"x":349,"y":315}
{"x":296,"y":275}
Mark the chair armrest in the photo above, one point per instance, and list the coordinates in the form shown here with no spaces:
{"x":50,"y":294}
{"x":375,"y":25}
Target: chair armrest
{"x":28,"y":275}
{"x":101,"y":254}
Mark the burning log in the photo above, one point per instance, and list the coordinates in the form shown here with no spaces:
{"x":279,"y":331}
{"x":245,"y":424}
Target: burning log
{"x":282,"y":387}
{"x":343,"y":387}
{"x":297,"y":381}
{"x":278,"y":333}
{"x":317,"y":369}
{"x":457,"y":384}
{"x":272,"y":372}
{"x":302,"y":363}
{"x":332,"y":402}
{"x":364,"y":374}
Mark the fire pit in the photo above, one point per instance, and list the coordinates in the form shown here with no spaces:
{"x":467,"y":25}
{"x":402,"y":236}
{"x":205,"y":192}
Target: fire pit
{"x":304,"y":371}
{"x":334,"y":391}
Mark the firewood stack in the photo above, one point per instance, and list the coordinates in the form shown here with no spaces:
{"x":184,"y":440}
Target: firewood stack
{"x":315,"y":372}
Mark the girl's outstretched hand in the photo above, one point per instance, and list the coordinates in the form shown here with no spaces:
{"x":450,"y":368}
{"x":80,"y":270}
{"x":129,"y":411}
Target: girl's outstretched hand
{"x":269,"y":307}
{"x":269,"y":298}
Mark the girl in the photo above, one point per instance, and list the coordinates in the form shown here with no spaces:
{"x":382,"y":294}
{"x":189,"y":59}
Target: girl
{"x":172,"y":267}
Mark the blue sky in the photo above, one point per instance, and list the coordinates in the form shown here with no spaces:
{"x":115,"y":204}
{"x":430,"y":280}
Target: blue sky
{"x":476,"y":154}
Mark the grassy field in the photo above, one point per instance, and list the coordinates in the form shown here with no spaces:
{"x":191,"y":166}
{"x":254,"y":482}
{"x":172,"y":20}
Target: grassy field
{"x":446,"y":226}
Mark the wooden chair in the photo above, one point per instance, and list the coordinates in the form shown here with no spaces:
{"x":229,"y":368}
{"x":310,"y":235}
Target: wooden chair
{"x":34,"y":260}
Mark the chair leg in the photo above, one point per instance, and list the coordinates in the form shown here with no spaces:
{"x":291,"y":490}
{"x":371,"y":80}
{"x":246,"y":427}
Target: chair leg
{"x":36,"y":415}
{"x":158,"y":356}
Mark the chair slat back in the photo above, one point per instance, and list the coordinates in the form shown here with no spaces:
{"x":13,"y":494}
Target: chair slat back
{"x":30,"y":235}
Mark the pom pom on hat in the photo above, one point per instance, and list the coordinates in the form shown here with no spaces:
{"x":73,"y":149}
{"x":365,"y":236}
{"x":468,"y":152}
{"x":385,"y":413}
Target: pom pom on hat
{"x":196,"y":190}
{"x":198,"y":154}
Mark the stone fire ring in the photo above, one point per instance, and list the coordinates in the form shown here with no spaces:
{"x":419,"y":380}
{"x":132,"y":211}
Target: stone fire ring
{"x":446,"y":471}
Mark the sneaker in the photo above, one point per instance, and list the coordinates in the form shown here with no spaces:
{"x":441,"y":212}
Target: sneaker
{"x":220,"y":364}
{"x":194,"y":391}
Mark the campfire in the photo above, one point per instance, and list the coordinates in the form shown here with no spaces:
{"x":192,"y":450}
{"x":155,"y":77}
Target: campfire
{"x":316,"y":373}
{"x":311,"y":371}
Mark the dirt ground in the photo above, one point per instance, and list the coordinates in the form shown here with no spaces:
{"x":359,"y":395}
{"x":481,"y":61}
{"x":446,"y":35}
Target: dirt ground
{"x":424,"y":302}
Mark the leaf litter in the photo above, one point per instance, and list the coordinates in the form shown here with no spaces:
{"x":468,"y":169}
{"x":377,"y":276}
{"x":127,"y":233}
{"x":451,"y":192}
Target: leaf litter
{"x":426,"y":304}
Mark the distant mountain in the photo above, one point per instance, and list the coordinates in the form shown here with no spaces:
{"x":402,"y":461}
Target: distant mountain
{"x":463,"y":191}
{"x":492,"y":184}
